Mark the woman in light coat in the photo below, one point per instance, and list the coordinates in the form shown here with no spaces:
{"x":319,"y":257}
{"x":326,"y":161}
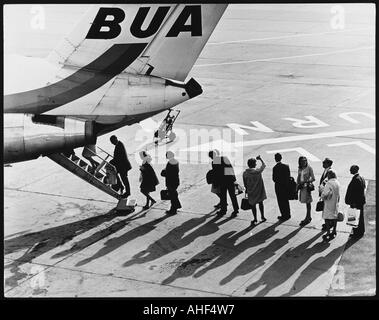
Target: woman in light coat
{"x":330,"y":193}
{"x":255,"y":188}
{"x":305,"y":178}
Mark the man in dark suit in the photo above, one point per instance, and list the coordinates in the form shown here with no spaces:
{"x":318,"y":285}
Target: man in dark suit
{"x":225,"y":178}
{"x":327,"y":165}
{"x":355,"y":198}
{"x":121,"y":162}
{"x":281,"y":178}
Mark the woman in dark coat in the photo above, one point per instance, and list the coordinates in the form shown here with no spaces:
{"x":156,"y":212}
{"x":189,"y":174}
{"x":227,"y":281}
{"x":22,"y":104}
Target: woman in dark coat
{"x":171,"y":173}
{"x":148,"y":179}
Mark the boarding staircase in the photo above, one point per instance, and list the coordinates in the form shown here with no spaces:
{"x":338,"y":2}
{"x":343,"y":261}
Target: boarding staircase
{"x":81,"y":168}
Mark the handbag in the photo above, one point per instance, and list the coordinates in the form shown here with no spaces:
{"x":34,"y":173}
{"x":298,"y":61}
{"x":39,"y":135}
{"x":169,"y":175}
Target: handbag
{"x":210,"y":176}
{"x":245,"y":205}
{"x":165,"y":195}
{"x":340,"y":216}
{"x":320,"y":205}
{"x":310,"y":187}
{"x":238,"y":188}
{"x":353,"y":216}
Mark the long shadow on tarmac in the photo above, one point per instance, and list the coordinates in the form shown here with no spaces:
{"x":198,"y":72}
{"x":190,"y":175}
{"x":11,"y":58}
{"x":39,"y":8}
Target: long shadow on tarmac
{"x":175,"y":238}
{"x":258,"y":258}
{"x":287,"y":264}
{"x":114,"y":243}
{"x":314,"y":270}
{"x":40,"y":242}
{"x":217,"y":250}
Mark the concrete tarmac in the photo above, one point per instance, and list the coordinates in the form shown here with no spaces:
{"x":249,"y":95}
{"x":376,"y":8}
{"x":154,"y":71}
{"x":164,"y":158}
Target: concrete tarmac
{"x":287,"y":78}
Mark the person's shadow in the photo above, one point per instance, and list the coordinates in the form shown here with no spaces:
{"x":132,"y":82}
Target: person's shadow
{"x":222,"y":250}
{"x":175,"y":239}
{"x":314,"y":270}
{"x":114,"y":243}
{"x":38,"y":243}
{"x":287,"y":264}
{"x":258,"y":258}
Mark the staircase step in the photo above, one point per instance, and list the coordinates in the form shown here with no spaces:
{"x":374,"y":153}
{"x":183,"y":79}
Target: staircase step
{"x":75,"y":159}
{"x":83,"y":164}
{"x":99,"y":175}
{"x":72,"y":166}
{"x":91,"y":170}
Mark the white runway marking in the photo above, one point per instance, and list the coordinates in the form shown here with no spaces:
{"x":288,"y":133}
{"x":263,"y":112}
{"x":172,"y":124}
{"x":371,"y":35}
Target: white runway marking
{"x":360,"y":144}
{"x":287,"y":36}
{"x":299,"y":150}
{"x":304,"y":137}
{"x":222,"y":144}
{"x":283,"y":58}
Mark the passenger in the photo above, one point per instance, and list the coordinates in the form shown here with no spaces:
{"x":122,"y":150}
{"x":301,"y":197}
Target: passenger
{"x":255,"y":189}
{"x":216,"y":189}
{"x":148,"y":179}
{"x":226,"y":178}
{"x":171,"y":174}
{"x":88,"y":152}
{"x":327,"y":165}
{"x":330,"y":194}
{"x":355,"y":198}
{"x":121,"y":162}
{"x":164,"y":127}
{"x":281,"y":177}
{"x":305,"y":180}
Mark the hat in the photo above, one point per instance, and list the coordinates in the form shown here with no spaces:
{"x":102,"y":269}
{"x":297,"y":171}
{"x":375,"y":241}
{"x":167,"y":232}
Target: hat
{"x":327,"y":160}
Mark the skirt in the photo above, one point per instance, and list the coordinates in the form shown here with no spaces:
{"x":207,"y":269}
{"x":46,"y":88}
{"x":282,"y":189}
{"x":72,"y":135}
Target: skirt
{"x":305,"y":196}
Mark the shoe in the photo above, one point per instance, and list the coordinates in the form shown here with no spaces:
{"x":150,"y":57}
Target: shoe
{"x":234,"y":213}
{"x":305,"y":222}
{"x":254,"y":222}
{"x":171,"y":212}
{"x":280,"y":218}
{"x":221,"y":213}
{"x":332,"y":235}
{"x":145,"y":207}
{"x":325,"y":238}
{"x":264,"y":219}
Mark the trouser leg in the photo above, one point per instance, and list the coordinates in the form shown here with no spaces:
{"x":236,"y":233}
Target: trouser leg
{"x":232,"y":195}
{"x":223,"y":198}
{"x":175,"y":203}
{"x":125,"y":181}
{"x":360,"y":230}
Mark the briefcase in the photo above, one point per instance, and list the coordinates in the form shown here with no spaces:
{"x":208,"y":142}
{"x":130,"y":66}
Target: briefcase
{"x":165,"y":195}
{"x":245,"y":205}
{"x":320,"y":205}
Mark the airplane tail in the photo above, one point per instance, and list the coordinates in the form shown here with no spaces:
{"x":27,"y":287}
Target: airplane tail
{"x":157,"y":39}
